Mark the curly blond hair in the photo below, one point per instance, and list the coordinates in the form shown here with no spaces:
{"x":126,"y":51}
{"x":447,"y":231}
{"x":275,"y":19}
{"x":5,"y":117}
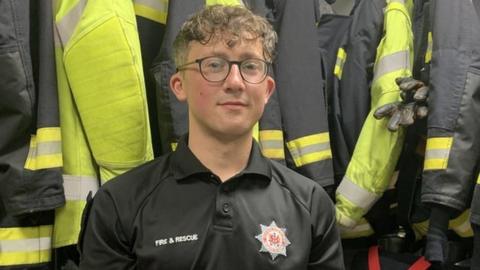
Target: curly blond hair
{"x":226,"y":23}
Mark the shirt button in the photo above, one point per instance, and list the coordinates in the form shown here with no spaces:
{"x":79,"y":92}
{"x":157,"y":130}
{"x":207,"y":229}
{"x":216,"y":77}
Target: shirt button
{"x":226,"y":207}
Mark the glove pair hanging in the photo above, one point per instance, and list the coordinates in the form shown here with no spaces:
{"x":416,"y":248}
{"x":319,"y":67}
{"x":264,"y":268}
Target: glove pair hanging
{"x":413,"y":105}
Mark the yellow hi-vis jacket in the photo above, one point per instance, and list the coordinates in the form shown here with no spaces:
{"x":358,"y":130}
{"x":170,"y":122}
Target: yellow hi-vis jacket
{"x":377,"y":150}
{"x":103,"y":108}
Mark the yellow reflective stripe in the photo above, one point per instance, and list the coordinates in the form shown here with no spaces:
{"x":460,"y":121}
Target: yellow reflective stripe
{"x":45,"y":149}
{"x":461,"y":224}
{"x":66,"y":25}
{"x":391,"y":62}
{"x":437,"y":152}
{"x":173,"y":145}
{"x":77,"y":187}
{"x":25,"y":245}
{"x":23,"y":258}
{"x":356,"y":194}
{"x":478,"y":179}
{"x":271,"y":142}
{"x":49,"y":134}
{"x":428,"y":53}
{"x":310,"y":149}
{"x":340,"y":62}
{"x":17,"y":233}
{"x":155,"y":10}
{"x":362,"y":229}
{"x":224,"y":2}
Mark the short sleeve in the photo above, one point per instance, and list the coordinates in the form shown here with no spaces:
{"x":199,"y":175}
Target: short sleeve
{"x":103,"y":244}
{"x":326,"y":251}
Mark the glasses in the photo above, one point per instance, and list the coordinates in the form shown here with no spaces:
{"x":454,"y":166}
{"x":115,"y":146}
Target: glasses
{"x":216,"y":69}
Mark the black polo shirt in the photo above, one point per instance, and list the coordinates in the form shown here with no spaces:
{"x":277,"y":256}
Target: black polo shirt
{"x":173,"y":213}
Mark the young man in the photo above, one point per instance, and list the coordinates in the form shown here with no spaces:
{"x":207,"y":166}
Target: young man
{"x":216,"y":202}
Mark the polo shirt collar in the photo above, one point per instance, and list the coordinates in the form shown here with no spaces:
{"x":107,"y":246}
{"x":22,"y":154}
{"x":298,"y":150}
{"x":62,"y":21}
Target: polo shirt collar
{"x":185,"y":163}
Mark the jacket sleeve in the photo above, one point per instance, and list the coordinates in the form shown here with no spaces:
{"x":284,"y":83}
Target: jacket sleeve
{"x":103,"y":65}
{"x":102,"y":243}
{"x":326,"y":251}
{"x":370,"y":170}
{"x":453,"y":125}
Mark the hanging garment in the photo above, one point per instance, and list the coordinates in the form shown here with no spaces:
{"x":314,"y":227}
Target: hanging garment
{"x":30,"y":141}
{"x":103,"y":108}
{"x":151,"y":21}
{"x":332,"y":32}
{"x":371,"y":168}
{"x":453,"y":147}
{"x":271,"y":136}
{"x":300,"y":88}
{"x":356,"y":58}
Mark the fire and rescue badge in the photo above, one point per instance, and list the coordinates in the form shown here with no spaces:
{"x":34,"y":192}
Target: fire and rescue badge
{"x":273,"y":239}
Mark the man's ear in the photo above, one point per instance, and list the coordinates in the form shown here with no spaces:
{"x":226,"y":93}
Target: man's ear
{"x":176,"y":85}
{"x":270,"y":88}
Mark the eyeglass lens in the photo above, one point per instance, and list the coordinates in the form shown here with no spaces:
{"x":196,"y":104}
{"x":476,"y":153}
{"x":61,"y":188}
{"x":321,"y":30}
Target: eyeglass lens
{"x":217,"y":69}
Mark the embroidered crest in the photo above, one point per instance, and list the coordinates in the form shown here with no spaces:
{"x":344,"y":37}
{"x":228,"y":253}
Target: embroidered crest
{"x":273,"y":239}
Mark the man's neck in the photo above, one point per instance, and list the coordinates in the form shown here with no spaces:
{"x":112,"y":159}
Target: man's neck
{"x":225,"y":158}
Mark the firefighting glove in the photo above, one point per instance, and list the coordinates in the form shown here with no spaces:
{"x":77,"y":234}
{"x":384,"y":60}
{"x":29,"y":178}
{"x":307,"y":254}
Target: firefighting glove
{"x":413,"y":105}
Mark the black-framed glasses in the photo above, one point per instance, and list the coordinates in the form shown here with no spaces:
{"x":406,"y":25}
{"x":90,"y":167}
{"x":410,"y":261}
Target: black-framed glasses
{"x":216,"y":69}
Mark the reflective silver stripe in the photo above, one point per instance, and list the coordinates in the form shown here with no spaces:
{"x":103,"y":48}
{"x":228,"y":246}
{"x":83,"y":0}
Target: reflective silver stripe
{"x":271,"y":144}
{"x":67,"y":24}
{"x":392,"y":62}
{"x":45,"y":148}
{"x":77,"y":187}
{"x":340,"y":62}
{"x":398,"y":1}
{"x":355,"y":194}
{"x":48,"y":148}
{"x":436,"y":153}
{"x":301,"y":151}
{"x":158,"y":5}
{"x":56,"y":38}
{"x":25,"y":245}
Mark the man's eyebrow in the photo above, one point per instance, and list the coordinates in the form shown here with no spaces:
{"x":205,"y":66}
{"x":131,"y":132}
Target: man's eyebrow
{"x":246,"y":55}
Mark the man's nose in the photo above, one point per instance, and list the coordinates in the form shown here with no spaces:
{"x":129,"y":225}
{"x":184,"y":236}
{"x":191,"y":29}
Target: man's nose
{"x":234,"y":75}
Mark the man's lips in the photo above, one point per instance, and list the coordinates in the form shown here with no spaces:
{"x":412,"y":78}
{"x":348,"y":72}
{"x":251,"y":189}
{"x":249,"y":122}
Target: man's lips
{"x":233,"y":103}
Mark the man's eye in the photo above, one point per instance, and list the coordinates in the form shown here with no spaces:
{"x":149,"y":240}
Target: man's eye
{"x":251,"y":65}
{"x":214,"y":64}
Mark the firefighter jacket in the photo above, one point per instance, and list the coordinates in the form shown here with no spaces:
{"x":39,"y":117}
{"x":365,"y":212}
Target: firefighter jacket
{"x":270,"y":132}
{"x":353,"y":51}
{"x":453,"y":146}
{"x":411,"y":212}
{"x":349,"y":90}
{"x":371,"y":168}
{"x":103,"y":107}
{"x":299,"y":84}
{"x":30,"y":141}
